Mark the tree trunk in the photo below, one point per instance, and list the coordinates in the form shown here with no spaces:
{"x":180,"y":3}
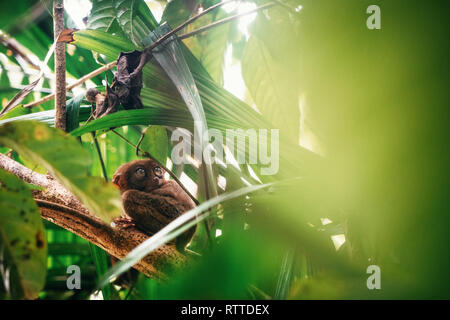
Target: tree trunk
{"x":60,"y":66}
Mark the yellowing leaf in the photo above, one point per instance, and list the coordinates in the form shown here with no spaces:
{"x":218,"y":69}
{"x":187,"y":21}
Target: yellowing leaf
{"x":23,"y":246}
{"x":66,"y":160}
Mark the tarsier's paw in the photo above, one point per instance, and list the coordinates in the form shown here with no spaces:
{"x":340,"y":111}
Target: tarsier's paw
{"x":168,"y":190}
{"x":173,"y":190}
{"x":124,"y":222}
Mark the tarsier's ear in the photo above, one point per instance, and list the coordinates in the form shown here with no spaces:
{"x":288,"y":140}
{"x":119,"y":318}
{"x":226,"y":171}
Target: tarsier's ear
{"x":118,"y":180}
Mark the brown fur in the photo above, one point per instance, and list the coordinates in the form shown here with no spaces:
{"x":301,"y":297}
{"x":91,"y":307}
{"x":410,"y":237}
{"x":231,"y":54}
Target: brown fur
{"x":150,"y":200}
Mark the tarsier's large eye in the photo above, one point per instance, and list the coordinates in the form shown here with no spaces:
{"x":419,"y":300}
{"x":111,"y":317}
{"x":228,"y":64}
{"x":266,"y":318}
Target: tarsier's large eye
{"x":158,"y":171}
{"x":139,"y":173}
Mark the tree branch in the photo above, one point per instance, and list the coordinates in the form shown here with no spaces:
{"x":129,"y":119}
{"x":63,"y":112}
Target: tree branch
{"x":225,"y":20}
{"x":17,"y":49}
{"x":80,"y":81}
{"x":60,"y":207}
{"x":60,"y":66}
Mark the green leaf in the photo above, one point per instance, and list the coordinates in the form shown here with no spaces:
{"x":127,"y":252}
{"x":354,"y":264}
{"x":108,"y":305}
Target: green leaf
{"x":178,"y":11}
{"x":47,"y":117}
{"x":36,"y":38}
{"x":212,"y":55}
{"x":156,"y":143}
{"x":95,"y":40}
{"x":66,"y":160}
{"x":270,"y":69}
{"x":101,"y":261}
{"x":103,"y":17}
{"x":23,"y":246}
{"x":172,"y":60}
{"x":285,"y":276}
{"x":73,"y":112}
{"x":215,"y":99}
{"x":222,"y":109}
{"x":132,"y":16}
{"x":16,"y":112}
{"x":4,"y":79}
{"x":135,"y":19}
{"x":209,"y":47}
{"x":146,"y":116}
{"x":14,"y":102}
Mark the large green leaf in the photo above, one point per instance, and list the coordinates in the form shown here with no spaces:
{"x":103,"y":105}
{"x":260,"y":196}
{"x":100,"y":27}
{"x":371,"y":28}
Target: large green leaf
{"x":103,"y":17}
{"x":270,"y":67}
{"x":178,"y":11}
{"x":66,"y":160}
{"x":146,"y":116}
{"x":211,"y":50}
{"x":222,"y":109}
{"x":208,"y":47}
{"x":95,"y":40}
{"x":132,"y":16}
{"x":156,"y":142}
{"x":215,"y":99}
{"x":23,"y":246}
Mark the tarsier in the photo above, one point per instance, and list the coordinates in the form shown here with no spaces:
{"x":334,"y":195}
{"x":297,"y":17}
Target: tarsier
{"x":149,"y":200}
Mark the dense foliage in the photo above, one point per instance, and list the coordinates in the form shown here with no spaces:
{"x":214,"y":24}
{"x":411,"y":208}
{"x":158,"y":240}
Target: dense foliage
{"x":363,"y":160}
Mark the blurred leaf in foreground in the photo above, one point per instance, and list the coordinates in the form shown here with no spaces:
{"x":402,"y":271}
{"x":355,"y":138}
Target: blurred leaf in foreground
{"x":65,"y":160}
{"x":23,"y":246}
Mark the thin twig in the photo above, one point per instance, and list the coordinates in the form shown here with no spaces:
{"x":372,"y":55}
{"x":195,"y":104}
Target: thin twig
{"x":139,"y":142}
{"x":17,"y":49}
{"x":80,"y":81}
{"x":33,"y":15}
{"x":102,"y":163}
{"x":225,"y":20}
{"x":184,"y":24}
{"x":124,"y":139}
{"x":130,"y":290}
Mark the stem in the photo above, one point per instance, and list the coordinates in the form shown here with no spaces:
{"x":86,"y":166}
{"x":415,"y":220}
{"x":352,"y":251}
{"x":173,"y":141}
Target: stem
{"x":102,"y":163}
{"x":225,"y":20}
{"x":184,"y":24}
{"x":125,"y":139}
{"x":60,"y":66}
{"x":99,"y":255}
{"x":17,"y":49}
{"x":129,"y":291}
{"x":80,"y":81}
